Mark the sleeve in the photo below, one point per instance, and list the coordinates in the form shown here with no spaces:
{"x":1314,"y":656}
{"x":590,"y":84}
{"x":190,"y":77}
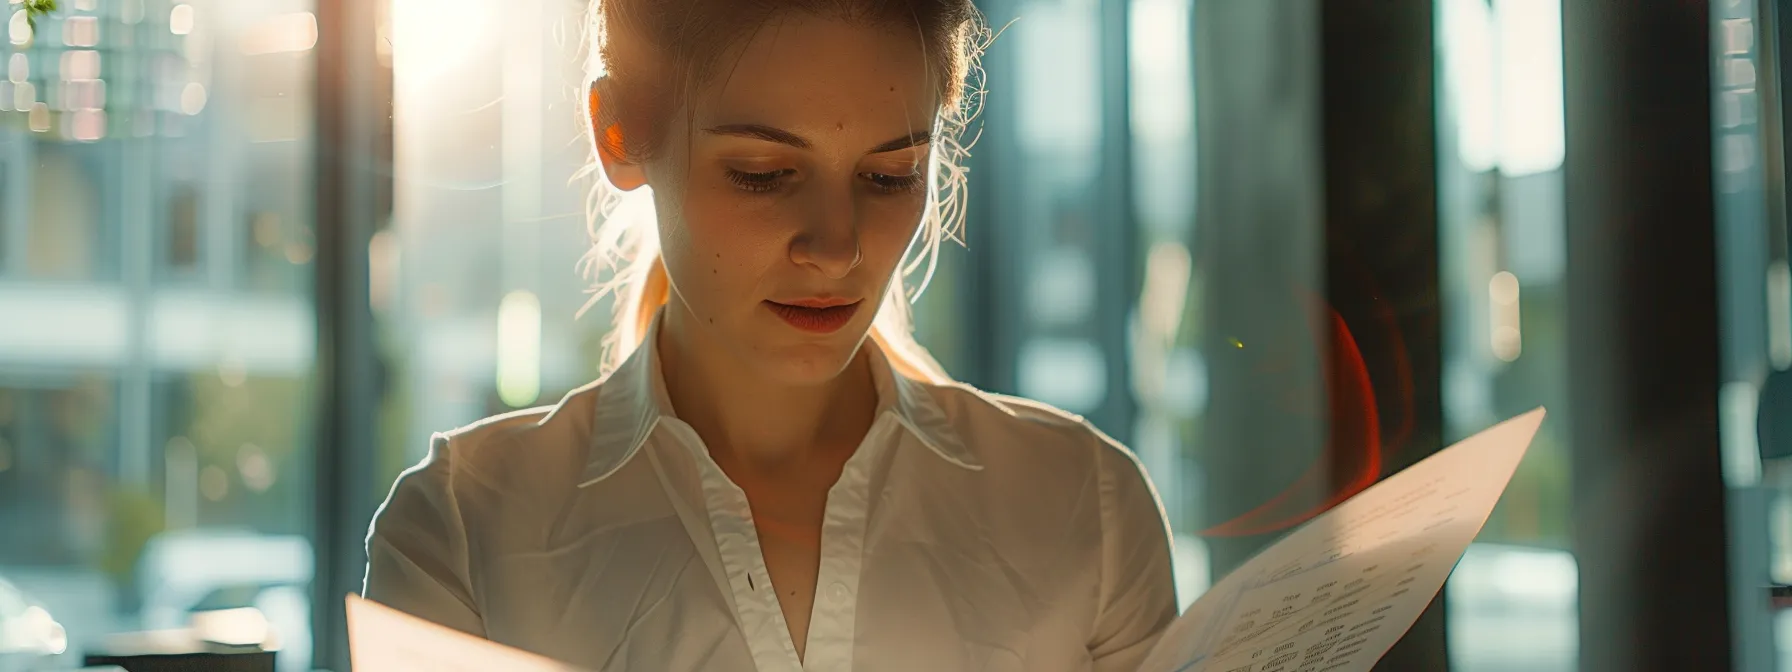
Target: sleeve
{"x":417,"y":547}
{"x":1138,"y":590}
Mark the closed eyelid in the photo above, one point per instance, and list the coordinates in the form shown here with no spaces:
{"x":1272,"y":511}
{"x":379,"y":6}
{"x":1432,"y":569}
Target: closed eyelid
{"x":917,"y":138}
{"x":905,"y":162}
{"x":755,"y":163}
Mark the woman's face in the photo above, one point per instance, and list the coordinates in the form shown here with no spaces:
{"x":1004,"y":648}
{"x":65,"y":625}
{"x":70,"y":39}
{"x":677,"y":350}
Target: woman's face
{"x":790,"y":196}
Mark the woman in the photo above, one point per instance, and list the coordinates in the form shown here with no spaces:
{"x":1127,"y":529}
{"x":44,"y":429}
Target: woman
{"x":757,"y":484}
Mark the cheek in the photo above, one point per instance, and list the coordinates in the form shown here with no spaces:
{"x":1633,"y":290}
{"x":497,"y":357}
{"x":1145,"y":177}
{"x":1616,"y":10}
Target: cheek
{"x":720,"y":245}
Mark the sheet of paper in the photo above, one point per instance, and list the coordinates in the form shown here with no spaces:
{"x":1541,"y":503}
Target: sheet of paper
{"x":383,"y":639}
{"x":1336,"y":594}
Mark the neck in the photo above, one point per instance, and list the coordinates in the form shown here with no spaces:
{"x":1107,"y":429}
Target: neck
{"x":745,"y":418}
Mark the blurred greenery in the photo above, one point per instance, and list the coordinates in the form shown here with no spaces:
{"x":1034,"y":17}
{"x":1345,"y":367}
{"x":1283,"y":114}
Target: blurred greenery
{"x":133,"y":517}
{"x":38,"y":8}
{"x":392,"y":455}
{"x":237,"y":421}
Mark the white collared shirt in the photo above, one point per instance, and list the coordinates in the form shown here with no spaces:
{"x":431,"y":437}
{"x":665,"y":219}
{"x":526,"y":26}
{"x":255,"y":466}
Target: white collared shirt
{"x":968,"y":532}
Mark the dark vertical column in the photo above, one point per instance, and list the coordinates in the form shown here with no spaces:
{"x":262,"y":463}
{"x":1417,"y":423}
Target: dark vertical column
{"x":353,"y":150}
{"x":1649,"y":518}
{"x":1317,"y":243}
{"x":1775,"y":67}
{"x":1259,"y":250}
{"x":1381,"y":251}
{"x":1117,"y":253}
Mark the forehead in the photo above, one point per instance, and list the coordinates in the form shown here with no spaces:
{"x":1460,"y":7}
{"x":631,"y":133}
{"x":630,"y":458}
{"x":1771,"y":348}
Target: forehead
{"x":801,"y":70}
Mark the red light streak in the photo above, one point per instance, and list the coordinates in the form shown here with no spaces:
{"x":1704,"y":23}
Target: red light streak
{"x":1355,"y":446}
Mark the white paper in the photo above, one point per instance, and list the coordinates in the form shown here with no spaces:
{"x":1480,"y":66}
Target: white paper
{"x":1332,"y":596}
{"x":1336,"y":594}
{"x":384,"y":639}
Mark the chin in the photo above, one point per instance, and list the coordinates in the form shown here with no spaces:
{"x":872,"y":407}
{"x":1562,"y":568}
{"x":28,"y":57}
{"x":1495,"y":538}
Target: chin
{"x":811,"y":363}
{"x":806,"y":359}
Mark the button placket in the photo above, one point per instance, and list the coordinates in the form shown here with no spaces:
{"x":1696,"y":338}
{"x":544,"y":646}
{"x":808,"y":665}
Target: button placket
{"x":838,"y":594}
{"x":834,"y":624}
{"x":756,"y":603}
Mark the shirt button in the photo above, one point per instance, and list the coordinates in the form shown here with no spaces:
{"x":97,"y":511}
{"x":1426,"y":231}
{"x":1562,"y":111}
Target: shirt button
{"x":838,"y":593}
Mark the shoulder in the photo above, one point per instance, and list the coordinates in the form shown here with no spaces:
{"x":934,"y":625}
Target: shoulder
{"x":1053,"y":450}
{"x":508,"y":453}
{"x":1009,"y":427}
{"x":495,"y":434}
{"x":528,"y":434}
{"x":968,"y":403}
{"x":1047,"y":459}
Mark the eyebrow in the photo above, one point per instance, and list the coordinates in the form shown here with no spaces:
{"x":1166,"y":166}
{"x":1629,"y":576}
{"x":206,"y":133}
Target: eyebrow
{"x":783,"y":137}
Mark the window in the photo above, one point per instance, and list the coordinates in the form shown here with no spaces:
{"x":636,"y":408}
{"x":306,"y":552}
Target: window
{"x":1167,"y":367}
{"x":1755,"y":319}
{"x":1501,"y":266}
{"x":155,"y":405}
{"x":66,"y":233}
{"x":475,"y":286}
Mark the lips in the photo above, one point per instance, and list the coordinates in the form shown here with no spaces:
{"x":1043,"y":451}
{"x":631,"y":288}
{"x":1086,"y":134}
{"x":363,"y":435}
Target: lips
{"x":821,"y":316}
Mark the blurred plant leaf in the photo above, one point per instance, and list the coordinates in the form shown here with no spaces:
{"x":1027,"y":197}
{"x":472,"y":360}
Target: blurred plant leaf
{"x":37,"y":8}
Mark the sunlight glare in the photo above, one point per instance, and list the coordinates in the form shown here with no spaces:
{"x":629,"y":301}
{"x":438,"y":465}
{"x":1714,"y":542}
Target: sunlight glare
{"x":432,"y":38}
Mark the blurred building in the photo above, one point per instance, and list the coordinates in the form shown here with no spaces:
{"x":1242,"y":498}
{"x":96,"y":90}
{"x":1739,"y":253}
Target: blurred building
{"x":155,"y":246}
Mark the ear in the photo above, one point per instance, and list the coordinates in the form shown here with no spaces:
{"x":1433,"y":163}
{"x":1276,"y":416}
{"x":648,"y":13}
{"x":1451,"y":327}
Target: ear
{"x":621,"y":173}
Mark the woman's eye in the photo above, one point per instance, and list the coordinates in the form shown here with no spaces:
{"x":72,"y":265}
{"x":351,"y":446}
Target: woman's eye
{"x":895,"y":184}
{"x":757,"y":182}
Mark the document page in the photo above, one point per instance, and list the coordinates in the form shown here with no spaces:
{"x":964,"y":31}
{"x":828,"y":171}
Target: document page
{"x":384,"y":639}
{"x":1336,"y":594}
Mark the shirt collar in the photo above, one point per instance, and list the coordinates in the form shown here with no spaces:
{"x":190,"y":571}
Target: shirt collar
{"x":632,"y":399}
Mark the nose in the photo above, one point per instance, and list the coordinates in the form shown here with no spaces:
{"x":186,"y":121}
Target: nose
{"x":829,"y":241}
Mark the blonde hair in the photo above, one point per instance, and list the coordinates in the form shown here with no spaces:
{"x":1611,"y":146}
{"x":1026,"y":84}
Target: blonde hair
{"x":631,"y":45}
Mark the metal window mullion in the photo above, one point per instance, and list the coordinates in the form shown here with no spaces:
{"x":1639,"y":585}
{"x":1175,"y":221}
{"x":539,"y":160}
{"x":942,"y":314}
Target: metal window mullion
{"x":351,"y":185}
{"x":1117,"y":268}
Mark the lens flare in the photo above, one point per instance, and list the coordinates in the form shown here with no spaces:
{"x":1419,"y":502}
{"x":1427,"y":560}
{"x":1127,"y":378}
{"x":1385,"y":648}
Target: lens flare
{"x":1356,"y":447}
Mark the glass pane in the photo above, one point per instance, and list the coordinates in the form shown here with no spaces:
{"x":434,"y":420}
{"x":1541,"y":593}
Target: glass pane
{"x":477,"y":289}
{"x":64,"y":234}
{"x":1169,"y":374}
{"x":1501,"y":266}
{"x":1056,"y":134}
{"x":157,"y":355}
{"x":1755,"y":323}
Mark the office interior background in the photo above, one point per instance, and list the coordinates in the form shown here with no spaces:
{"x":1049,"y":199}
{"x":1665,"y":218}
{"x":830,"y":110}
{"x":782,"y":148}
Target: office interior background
{"x":253,"y":252}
